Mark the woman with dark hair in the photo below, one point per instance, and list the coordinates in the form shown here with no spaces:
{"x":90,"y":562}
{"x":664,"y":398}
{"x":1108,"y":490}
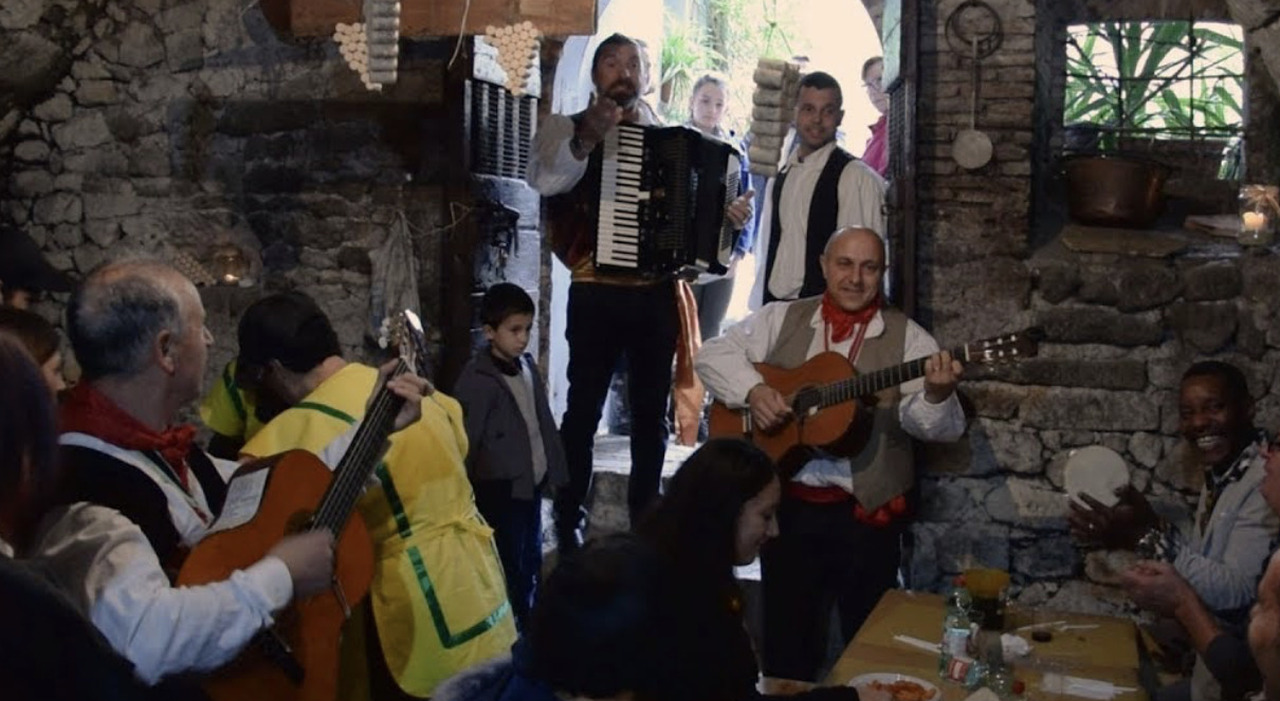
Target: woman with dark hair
{"x":28,"y":443}
{"x":718,"y":511}
{"x":41,"y":340}
{"x":41,"y":629}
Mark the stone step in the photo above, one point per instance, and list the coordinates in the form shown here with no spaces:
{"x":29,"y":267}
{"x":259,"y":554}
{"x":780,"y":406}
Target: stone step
{"x":607,"y":501}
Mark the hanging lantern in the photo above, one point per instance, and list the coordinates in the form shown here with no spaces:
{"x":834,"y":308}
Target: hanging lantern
{"x":230,"y":266}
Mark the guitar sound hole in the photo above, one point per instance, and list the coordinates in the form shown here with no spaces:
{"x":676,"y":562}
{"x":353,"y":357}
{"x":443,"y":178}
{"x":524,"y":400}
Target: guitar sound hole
{"x":806,"y":401}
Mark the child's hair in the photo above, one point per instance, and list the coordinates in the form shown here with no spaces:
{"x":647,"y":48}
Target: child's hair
{"x":503,"y":300}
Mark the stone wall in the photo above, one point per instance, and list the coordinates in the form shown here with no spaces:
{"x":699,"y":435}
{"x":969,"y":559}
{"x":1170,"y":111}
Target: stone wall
{"x":1120,"y":330}
{"x":162,"y":124}
{"x":176,"y":125}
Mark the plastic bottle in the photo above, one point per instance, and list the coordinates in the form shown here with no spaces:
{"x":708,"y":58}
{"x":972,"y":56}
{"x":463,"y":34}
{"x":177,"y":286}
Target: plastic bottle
{"x":955,"y":634}
{"x":969,"y":672}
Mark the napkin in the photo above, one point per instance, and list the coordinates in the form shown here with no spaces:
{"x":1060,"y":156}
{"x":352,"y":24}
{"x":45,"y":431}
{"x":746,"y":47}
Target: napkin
{"x":1013,"y":646}
{"x":983,"y":694}
{"x":1081,"y":686}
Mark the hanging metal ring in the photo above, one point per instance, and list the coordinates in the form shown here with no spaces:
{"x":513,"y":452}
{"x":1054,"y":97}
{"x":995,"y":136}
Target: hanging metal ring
{"x":974,"y":19}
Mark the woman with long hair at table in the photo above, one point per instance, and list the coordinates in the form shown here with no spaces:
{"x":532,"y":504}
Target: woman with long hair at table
{"x":48,"y":651}
{"x":717,"y":512}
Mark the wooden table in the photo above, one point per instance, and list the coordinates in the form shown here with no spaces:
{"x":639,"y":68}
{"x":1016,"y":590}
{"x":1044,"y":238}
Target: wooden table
{"x":1108,"y":652}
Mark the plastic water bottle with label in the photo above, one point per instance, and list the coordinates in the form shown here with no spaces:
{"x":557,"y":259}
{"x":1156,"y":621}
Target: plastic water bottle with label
{"x":954,"y":662}
{"x":955,"y":630}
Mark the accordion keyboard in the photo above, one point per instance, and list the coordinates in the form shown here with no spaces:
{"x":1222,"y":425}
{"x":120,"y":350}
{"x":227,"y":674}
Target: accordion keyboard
{"x":618,"y":232}
{"x":662,"y":198}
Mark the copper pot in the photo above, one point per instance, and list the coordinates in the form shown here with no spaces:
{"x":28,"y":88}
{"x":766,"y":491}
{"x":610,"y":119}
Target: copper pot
{"x":1115,"y":190}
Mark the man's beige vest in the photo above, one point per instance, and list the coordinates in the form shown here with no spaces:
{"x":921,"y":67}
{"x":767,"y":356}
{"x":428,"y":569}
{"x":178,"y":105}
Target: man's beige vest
{"x":886,"y":467}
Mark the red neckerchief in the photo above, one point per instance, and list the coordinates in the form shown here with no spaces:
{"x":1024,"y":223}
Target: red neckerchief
{"x":843,"y":324}
{"x":86,"y":410}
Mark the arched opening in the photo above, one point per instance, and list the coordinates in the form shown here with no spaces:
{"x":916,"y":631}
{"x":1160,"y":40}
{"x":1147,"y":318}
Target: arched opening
{"x":836,"y":35}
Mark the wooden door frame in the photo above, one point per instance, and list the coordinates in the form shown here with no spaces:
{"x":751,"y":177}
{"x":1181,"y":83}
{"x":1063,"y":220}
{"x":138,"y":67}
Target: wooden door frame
{"x":902,"y":197}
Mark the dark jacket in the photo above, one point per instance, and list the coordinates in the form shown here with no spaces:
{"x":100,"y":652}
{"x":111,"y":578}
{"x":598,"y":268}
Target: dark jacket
{"x":502,"y":678}
{"x":500,"y":447}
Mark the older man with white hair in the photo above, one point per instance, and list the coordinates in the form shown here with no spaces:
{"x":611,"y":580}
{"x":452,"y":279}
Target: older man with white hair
{"x":842,"y":515}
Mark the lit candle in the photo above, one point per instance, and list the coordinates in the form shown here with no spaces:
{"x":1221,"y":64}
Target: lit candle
{"x":1254,"y":221}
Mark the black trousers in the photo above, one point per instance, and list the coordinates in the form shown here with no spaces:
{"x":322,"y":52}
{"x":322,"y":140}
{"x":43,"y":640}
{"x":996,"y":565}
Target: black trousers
{"x":604,"y":322}
{"x":517,"y":531}
{"x":713,"y":303}
{"x":820,"y":557}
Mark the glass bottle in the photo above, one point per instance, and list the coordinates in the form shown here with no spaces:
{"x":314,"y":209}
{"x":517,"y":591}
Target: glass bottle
{"x":1000,"y":680}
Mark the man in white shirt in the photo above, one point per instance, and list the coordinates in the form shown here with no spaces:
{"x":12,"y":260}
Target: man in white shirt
{"x":841,"y":516}
{"x":820,"y":188}
{"x":137,"y":492}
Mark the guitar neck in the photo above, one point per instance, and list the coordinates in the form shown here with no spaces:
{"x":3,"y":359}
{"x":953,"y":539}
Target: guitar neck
{"x":359,"y":461}
{"x":872,"y":382}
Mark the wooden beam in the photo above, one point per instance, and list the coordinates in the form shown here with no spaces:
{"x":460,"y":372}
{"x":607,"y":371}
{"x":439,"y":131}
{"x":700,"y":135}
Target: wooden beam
{"x":436,"y":18}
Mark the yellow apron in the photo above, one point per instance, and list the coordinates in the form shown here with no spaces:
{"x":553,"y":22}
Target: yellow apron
{"x":439,"y":598}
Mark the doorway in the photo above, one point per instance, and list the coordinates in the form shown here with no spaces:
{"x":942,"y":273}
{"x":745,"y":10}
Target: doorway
{"x":837,"y":36}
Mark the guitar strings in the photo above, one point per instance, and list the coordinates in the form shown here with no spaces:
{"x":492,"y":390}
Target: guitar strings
{"x":345,"y":489}
{"x":873,"y":382}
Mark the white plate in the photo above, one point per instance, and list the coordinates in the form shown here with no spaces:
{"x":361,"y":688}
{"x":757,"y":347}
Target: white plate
{"x":1097,"y":471}
{"x":862,"y":683}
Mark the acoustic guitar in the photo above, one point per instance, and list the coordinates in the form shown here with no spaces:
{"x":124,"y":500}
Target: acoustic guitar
{"x":267,"y":499}
{"x":826,"y":395}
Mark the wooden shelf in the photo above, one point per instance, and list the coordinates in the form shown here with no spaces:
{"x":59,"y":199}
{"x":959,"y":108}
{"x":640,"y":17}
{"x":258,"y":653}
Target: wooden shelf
{"x":436,"y":18}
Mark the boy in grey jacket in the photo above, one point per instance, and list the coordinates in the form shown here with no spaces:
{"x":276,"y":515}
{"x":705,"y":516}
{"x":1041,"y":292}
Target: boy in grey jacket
{"x":515,"y":453}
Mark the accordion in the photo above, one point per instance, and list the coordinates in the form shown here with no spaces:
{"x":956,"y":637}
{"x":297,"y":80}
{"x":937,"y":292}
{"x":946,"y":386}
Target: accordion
{"x":663,"y":193}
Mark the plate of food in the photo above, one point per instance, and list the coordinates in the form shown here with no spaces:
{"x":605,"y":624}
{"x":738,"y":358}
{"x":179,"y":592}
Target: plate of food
{"x":891,"y":686}
{"x":1097,"y":471}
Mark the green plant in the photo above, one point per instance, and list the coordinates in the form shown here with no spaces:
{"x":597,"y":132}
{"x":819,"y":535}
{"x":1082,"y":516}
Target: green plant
{"x":685,"y":54}
{"x":726,"y":36}
{"x":1156,"y":80}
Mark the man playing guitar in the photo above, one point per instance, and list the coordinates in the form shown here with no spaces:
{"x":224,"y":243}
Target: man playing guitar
{"x":841,"y":516}
{"x":138,"y":493}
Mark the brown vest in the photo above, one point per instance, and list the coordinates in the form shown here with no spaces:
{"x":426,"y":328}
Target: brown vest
{"x":886,"y":466}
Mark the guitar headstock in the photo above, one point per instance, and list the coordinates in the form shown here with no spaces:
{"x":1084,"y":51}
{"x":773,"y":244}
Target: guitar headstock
{"x":405,"y":333}
{"x":1005,"y":348}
